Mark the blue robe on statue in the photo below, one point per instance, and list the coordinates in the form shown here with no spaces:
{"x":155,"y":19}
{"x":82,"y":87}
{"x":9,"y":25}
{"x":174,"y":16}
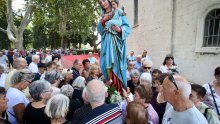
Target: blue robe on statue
{"x":113,"y":47}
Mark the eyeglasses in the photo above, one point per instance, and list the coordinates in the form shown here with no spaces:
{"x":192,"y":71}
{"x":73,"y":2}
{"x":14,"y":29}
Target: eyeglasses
{"x":147,"y":67}
{"x":28,"y":81}
{"x":171,"y":78}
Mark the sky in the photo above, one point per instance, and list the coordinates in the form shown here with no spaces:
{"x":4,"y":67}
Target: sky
{"x":18,"y":4}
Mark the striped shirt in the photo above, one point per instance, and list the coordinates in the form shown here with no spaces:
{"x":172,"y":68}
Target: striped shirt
{"x":105,"y":114}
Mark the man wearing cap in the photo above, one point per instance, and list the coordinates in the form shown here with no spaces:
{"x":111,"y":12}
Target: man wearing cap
{"x":41,"y":71}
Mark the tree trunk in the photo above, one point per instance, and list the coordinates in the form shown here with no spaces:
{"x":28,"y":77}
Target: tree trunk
{"x":19,"y":40}
{"x":80,"y":46}
{"x":62,"y":28}
{"x":14,"y":33}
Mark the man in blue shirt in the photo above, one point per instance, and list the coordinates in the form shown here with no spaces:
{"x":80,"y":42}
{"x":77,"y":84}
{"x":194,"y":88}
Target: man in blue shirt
{"x":131,"y":57}
{"x":138,"y":62}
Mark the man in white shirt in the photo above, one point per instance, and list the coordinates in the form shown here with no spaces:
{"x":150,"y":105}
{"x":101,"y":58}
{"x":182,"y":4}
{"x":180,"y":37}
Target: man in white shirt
{"x":3,"y":60}
{"x":176,"y":91}
{"x":91,"y":58}
{"x":33,"y":65}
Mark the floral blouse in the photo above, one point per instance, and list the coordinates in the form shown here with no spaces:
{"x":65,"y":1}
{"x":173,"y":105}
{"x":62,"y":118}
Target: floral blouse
{"x":209,"y":99}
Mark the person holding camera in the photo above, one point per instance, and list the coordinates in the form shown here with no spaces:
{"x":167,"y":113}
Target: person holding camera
{"x":169,"y":65}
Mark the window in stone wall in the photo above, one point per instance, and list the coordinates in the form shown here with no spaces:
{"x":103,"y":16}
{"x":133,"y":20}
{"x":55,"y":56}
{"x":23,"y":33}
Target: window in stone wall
{"x":135,"y":12}
{"x":212,"y":29}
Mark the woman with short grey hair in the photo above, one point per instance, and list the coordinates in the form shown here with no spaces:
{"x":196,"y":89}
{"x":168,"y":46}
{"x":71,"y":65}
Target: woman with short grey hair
{"x":57,"y":108}
{"x":17,"y":100}
{"x":135,"y":75}
{"x":79,"y":82}
{"x":54,"y":78}
{"x":78,"y":86}
{"x":40,"y":91}
{"x":67,"y":90}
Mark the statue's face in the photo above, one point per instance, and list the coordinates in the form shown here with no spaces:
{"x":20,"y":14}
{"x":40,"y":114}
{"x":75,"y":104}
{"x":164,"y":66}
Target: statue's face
{"x":114,"y":5}
{"x":104,"y":4}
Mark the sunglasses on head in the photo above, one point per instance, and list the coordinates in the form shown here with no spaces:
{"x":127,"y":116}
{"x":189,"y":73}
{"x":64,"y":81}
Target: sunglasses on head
{"x":28,"y":81}
{"x":147,"y":67}
{"x":171,"y":78}
{"x":28,"y":75}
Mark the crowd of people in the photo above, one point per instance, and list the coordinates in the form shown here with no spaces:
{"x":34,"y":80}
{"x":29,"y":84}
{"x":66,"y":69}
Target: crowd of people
{"x":35,"y":88}
{"x":43,"y":91}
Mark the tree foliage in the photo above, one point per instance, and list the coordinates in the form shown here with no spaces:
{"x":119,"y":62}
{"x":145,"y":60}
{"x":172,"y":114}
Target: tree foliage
{"x":55,"y":24}
{"x":73,"y":21}
{"x":5,"y":43}
{"x":15,"y":33}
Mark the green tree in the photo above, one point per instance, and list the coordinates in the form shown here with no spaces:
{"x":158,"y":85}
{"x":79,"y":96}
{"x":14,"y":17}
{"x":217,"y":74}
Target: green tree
{"x":5,"y":43}
{"x":72,"y":20}
{"x":15,"y":33}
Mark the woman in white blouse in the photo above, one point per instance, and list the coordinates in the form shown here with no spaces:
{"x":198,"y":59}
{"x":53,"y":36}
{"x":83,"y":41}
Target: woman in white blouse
{"x":169,"y":65}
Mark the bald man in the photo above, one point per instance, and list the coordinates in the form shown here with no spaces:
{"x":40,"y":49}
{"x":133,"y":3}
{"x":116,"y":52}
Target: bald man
{"x":19,"y":63}
{"x":95,"y":94}
{"x":176,"y":91}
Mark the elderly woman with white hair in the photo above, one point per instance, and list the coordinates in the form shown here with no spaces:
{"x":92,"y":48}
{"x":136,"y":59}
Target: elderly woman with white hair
{"x":17,"y":99}
{"x":146,"y":78}
{"x":40,"y":92}
{"x":131,"y":66}
{"x":57,"y":108}
{"x":78,"y":86}
{"x":135,"y":75}
{"x":68,"y":90}
{"x":67,"y":77}
{"x":93,"y":72}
